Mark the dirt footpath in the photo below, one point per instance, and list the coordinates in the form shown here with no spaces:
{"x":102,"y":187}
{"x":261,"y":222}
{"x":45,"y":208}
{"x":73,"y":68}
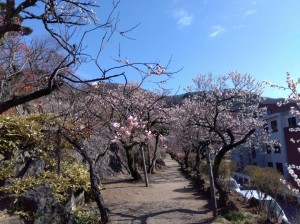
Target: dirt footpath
{"x":170,"y":198}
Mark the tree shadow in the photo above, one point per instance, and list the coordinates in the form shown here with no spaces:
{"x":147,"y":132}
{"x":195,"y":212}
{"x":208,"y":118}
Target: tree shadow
{"x":194,"y":190}
{"x":144,"y":218}
{"x":127,"y":180}
{"x":145,"y":212}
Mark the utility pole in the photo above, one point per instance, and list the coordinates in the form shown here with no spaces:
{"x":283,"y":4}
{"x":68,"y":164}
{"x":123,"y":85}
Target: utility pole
{"x":212,"y":184}
{"x":144,"y":165}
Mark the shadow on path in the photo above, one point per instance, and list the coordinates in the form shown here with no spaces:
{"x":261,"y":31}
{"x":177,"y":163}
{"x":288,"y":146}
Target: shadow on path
{"x":144,"y":218}
{"x":170,"y":198}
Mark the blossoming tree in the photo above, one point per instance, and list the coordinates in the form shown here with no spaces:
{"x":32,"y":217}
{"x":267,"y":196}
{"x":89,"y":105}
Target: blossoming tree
{"x":38,"y":68}
{"x":225,"y":107}
{"x":138,"y":114}
{"x":188,"y":136}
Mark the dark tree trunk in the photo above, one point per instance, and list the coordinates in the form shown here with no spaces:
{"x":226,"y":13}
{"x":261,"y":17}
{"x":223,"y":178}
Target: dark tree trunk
{"x":186,"y":160}
{"x":132,"y":163}
{"x":223,"y":199}
{"x":98,"y":196}
{"x":144,"y":164}
{"x":94,"y":180}
{"x":197,"y":165}
{"x":152,"y":167}
{"x":148,"y":156}
{"x":223,"y":194}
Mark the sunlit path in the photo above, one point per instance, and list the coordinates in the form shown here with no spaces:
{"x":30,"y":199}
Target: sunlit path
{"x":170,"y":198}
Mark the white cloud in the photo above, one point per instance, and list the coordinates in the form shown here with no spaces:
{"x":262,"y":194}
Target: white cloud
{"x":250,"y":12}
{"x":217,"y":30}
{"x":184,"y":18}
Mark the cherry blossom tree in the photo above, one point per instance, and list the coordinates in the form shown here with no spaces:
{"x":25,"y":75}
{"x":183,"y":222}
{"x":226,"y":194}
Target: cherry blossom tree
{"x":138,"y":114}
{"x":184,"y":134}
{"x":159,"y":132}
{"x":197,"y":137}
{"x":37,"y":68}
{"x":225,"y":107}
{"x":90,"y":114}
{"x":131,"y":132}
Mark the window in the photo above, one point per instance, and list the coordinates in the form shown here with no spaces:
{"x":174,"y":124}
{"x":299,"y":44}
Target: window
{"x":274,"y":126}
{"x":270,"y":164}
{"x":277,"y":147}
{"x":255,"y":115}
{"x":279,"y":167}
{"x":292,"y":121}
{"x":269,"y":149}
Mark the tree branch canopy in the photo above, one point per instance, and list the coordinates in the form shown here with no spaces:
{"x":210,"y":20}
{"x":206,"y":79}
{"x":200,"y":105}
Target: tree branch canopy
{"x":18,"y":100}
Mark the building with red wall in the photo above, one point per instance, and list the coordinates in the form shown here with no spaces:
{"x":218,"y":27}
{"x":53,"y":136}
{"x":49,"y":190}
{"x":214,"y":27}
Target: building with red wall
{"x":283,"y":128}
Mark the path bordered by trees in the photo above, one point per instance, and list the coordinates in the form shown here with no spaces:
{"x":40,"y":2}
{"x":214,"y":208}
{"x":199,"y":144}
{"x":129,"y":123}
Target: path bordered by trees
{"x":170,"y":198}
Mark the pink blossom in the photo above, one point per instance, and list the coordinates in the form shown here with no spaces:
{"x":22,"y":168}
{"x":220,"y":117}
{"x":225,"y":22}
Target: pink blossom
{"x":116,"y":125}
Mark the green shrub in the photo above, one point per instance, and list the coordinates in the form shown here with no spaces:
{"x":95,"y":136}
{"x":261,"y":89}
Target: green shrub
{"x":86,"y":217}
{"x":20,"y":135}
{"x":226,"y":168}
{"x":266,"y":180}
{"x":241,"y":217}
{"x":75,"y":176}
{"x":6,"y":169}
{"x":220,"y":220}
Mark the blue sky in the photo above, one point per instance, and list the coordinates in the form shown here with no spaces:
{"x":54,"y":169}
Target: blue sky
{"x":260,"y":37}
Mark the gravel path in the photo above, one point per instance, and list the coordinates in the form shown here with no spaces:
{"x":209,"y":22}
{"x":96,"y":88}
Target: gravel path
{"x":170,"y":198}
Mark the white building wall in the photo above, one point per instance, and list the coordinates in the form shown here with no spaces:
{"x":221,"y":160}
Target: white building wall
{"x":282,"y":122}
{"x":262,"y":158}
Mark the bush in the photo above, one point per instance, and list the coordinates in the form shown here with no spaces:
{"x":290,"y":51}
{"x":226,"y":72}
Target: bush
{"x":241,"y":217}
{"x":75,"y":177}
{"x":20,"y":133}
{"x":226,"y":169}
{"x":24,"y":137}
{"x":86,"y":217}
{"x":266,"y":180}
{"x":220,"y":220}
